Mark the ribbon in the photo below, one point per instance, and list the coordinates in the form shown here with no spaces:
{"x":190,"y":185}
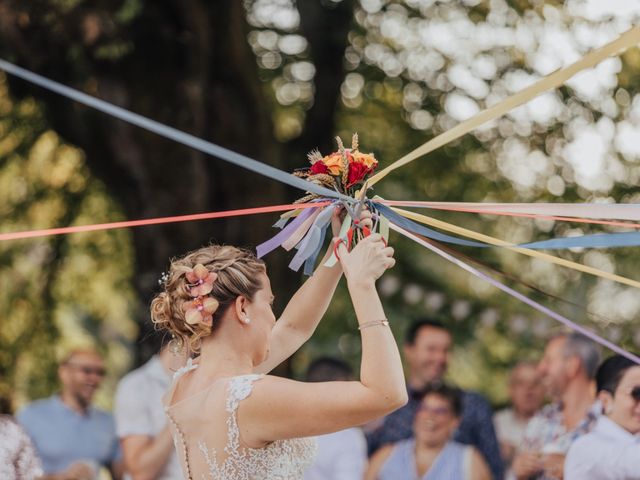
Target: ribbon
{"x":171,"y":133}
{"x":554,"y":80}
{"x":154,"y":221}
{"x":501,"y":243}
{"x":312,"y":242}
{"x":310,"y":263}
{"x":284,"y":234}
{"x":394,"y":216}
{"x":541,"y":308}
{"x":555,"y":211}
{"x":346,"y":225}
{"x":597,"y":240}
{"x":513,"y":278}
{"x":301,"y":231}
{"x":384,"y":228}
{"x":607,"y":240}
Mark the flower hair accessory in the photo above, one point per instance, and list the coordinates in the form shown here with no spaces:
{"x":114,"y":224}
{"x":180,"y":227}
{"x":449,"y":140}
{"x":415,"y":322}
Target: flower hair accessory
{"x":164,"y":278}
{"x":202,"y":307}
{"x":200,"y":280}
{"x":200,"y":310}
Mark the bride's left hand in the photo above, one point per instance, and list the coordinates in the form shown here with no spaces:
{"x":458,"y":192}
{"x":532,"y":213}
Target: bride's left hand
{"x":338,"y":217}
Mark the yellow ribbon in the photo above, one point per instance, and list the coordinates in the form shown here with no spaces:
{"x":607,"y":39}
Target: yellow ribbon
{"x":553,"y":80}
{"x":501,"y":243}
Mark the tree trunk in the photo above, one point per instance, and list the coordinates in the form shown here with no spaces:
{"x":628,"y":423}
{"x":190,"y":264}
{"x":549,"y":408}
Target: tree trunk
{"x":185,"y":63}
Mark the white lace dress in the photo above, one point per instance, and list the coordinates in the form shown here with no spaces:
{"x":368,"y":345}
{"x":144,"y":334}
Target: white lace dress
{"x":208,"y":439}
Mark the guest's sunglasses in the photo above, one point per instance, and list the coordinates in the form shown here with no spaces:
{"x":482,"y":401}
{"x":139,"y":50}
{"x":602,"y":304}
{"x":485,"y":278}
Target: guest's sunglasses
{"x":436,"y":411}
{"x":99,"y":372}
{"x":635,"y":393}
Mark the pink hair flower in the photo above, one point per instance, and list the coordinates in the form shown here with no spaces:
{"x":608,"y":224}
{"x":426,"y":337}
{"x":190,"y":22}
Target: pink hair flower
{"x":200,"y":310}
{"x":200,"y":280}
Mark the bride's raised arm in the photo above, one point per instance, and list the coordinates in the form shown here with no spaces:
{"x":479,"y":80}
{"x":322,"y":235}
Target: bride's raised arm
{"x":297,"y":409}
{"x":307,"y":307}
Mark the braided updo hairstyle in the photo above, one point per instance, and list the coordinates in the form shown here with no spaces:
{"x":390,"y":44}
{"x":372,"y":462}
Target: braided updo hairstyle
{"x":237,"y":272}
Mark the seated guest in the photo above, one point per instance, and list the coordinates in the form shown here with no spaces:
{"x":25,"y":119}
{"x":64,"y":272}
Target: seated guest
{"x":612,"y":450}
{"x":341,"y":455}
{"x":527,"y":394}
{"x":427,"y":352}
{"x":431,"y":454}
{"x":72,"y":438}
{"x":568,"y":368}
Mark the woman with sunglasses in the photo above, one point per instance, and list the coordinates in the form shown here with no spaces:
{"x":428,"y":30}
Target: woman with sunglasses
{"x":612,"y":450}
{"x":431,"y":454}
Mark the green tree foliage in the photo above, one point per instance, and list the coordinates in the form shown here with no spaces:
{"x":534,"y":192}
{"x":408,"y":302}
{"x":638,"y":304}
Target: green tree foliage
{"x":60,"y":292}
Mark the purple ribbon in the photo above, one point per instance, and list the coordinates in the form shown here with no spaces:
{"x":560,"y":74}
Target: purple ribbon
{"x":541,"y":308}
{"x":274,"y":242}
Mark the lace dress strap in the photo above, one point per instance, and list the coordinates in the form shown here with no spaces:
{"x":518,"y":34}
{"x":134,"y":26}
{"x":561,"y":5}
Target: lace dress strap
{"x":239,"y":389}
{"x":187,"y":368}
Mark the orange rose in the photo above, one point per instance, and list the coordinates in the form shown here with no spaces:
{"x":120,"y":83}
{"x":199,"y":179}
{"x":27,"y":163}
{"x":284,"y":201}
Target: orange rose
{"x":333,"y":163}
{"x":367,"y":158}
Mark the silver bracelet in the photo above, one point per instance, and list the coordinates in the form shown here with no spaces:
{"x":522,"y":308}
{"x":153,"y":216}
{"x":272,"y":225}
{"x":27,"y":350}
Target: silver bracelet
{"x":373,"y":323}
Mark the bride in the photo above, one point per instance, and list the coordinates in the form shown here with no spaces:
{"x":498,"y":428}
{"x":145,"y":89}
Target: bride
{"x":229,"y":419}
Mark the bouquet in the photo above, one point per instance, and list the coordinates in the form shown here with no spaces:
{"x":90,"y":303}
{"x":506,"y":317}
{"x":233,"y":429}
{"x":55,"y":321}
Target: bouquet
{"x":344,"y":171}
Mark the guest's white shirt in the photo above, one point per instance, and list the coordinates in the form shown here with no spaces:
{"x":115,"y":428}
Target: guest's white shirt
{"x":139,"y":409}
{"x":341,"y":456}
{"x":509,"y":427}
{"x":608,"y":452}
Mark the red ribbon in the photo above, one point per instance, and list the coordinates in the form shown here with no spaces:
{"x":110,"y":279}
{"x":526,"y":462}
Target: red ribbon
{"x":157,"y":221}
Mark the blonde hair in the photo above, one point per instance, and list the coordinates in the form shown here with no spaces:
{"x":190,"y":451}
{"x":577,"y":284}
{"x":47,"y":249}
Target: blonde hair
{"x":82,"y":350}
{"x":238,"y":273}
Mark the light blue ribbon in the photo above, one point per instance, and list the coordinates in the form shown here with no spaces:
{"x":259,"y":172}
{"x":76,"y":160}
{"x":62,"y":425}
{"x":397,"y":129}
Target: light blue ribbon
{"x":597,"y":240}
{"x":309,"y":244}
{"x":171,"y":133}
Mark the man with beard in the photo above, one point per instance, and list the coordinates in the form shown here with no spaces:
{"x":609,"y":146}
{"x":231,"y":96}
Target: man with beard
{"x":427,"y":351}
{"x":74,"y":439}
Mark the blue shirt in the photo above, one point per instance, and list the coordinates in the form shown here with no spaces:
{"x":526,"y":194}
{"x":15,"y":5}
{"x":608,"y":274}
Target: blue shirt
{"x":476,"y":428}
{"x":449,"y":464}
{"x":63,"y":436}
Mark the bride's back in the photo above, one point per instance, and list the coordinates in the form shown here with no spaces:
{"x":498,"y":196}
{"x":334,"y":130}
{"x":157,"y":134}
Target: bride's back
{"x":209,"y":444}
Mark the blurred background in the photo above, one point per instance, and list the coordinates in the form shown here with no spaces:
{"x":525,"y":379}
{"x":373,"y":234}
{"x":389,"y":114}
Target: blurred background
{"x":273,"y":79}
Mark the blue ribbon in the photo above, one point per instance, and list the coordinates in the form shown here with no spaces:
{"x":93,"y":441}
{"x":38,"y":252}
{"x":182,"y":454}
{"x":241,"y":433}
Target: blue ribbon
{"x":172,"y":133}
{"x":310,"y":263}
{"x":418,"y":229}
{"x":309,"y":244}
{"x":597,"y":240}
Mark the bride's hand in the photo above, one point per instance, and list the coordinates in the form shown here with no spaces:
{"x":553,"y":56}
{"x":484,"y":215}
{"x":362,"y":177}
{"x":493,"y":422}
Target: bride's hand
{"x":367,"y":261}
{"x":338,"y":217}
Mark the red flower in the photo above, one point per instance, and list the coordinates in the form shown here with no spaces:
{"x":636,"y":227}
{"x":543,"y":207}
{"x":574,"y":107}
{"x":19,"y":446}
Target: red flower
{"x":357,"y":171}
{"x":319,"y":167}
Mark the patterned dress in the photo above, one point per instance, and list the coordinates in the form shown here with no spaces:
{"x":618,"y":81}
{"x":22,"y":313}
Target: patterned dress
{"x":18,"y":458}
